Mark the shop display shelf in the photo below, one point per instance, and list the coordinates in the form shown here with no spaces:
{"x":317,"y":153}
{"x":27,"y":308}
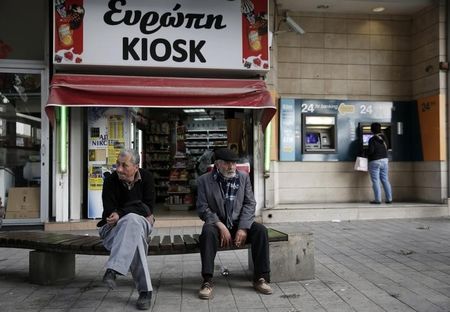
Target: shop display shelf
{"x":197,"y":145}
{"x":178,"y":207}
{"x":218,"y":145}
{"x":218,"y":138}
{"x":156,"y":151}
{"x":207,"y":130}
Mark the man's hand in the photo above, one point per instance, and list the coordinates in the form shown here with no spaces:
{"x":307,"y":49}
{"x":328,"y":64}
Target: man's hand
{"x":113,"y":218}
{"x":239,"y":239}
{"x":225,"y":236}
{"x":151,"y":219}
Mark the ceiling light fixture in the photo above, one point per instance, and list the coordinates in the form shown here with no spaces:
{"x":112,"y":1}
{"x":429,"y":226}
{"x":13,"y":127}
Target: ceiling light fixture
{"x":194,"y":110}
{"x":378,"y":9}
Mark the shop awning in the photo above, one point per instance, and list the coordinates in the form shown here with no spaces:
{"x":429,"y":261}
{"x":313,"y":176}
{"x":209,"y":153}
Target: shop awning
{"x":74,"y":90}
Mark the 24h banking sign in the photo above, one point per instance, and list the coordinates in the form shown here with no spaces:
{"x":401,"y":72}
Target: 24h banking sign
{"x":213,"y":34}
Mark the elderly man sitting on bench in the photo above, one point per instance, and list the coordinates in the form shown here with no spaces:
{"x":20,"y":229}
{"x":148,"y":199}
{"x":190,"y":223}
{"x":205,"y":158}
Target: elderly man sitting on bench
{"x":127,"y":221}
{"x":226,"y":203}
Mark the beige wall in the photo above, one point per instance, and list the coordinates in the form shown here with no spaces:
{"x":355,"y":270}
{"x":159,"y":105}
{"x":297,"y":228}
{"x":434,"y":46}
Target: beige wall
{"x":427,"y":50}
{"x":364,"y":57}
{"x":346,"y":57}
{"x":333,"y":182}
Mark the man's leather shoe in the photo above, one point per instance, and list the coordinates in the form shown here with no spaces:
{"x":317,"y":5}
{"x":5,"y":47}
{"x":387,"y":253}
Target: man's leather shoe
{"x":375,"y":202}
{"x":144,"y":301}
{"x":206,"y":290}
{"x":110,"y":278}
{"x":263,"y":287}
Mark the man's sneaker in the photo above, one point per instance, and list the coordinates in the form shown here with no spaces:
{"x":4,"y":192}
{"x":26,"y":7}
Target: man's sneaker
{"x":263,"y":287}
{"x":144,"y":301}
{"x":110,"y":278}
{"x":206,"y":290}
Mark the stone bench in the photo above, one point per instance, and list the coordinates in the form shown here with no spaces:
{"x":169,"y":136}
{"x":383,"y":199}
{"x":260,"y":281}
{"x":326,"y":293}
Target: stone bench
{"x":52,"y":259}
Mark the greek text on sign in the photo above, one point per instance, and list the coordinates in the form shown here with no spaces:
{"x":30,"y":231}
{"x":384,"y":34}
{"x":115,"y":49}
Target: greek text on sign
{"x":214,"y":34}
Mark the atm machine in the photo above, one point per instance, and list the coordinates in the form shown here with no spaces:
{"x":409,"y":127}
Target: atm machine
{"x":365,"y":134}
{"x":319,"y":134}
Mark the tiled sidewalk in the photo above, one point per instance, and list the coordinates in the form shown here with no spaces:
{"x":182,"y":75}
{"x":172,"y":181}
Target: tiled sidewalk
{"x":388,"y":265}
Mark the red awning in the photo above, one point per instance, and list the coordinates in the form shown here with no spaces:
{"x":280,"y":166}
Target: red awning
{"x":134,"y":91}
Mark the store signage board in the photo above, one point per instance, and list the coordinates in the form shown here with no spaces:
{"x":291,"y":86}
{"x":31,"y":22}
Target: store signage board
{"x":192,"y":34}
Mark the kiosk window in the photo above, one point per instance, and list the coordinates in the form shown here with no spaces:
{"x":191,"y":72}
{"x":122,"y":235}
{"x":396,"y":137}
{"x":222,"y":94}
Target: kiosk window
{"x":319,"y":134}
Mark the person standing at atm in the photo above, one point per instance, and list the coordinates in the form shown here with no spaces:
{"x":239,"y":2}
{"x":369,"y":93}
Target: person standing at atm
{"x":379,"y":164}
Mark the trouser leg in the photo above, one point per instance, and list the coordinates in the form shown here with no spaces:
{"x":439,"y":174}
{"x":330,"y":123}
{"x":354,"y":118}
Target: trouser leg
{"x":127,"y":242}
{"x":374,"y":171}
{"x":259,"y":240}
{"x":139,"y":269}
{"x":209,"y":242}
{"x":384,"y":176}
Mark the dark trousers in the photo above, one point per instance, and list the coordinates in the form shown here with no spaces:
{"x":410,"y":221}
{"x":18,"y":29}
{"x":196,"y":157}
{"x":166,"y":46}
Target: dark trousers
{"x":256,"y":236}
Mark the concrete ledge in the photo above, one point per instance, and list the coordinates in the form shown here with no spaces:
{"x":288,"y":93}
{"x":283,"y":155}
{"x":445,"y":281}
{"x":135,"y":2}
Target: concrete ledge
{"x":292,"y":260}
{"x":352,"y":211}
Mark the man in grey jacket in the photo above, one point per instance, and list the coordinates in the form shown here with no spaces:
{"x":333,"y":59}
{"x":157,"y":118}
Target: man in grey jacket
{"x":226,"y":204}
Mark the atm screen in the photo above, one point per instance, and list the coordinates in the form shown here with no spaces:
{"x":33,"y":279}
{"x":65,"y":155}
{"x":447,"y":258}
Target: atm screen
{"x":366,"y":138}
{"x":312,"y":138}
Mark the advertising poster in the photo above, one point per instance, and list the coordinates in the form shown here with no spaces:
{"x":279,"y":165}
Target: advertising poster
{"x":287,"y":124}
{"x":255,"y":54}
{"x":116,"y":136}
{"x":214,"y":34}
{"x":68,"y":31}
{"x":107,"y":136}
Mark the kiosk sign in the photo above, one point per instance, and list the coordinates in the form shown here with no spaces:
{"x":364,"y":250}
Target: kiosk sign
{"x":214,"y":34}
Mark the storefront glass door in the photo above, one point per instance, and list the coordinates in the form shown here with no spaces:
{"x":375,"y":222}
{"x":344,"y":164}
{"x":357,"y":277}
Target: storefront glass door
{"x":20,"y":143}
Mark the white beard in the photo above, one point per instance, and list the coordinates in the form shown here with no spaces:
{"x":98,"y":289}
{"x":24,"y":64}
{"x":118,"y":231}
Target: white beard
{"x":228,"y":175}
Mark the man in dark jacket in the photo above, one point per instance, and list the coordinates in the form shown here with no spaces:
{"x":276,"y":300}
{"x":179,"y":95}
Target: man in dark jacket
{"x":127,"y":221}
{"x":378,"y":164}
{"x":227,"y":205}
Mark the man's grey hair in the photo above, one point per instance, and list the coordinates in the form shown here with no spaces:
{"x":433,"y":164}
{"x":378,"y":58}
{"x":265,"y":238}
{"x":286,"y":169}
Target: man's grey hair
{"x":135,"y":158}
